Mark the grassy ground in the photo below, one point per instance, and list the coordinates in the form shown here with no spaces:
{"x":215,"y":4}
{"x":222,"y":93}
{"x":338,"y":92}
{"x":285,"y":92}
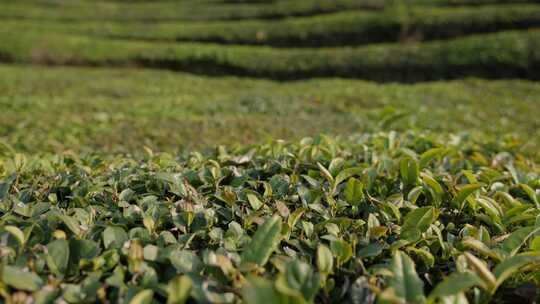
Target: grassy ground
{"x":124,"y":109}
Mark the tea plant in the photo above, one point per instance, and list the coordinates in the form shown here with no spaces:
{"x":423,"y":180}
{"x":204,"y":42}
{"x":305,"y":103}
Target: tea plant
{"x":387,"y":217}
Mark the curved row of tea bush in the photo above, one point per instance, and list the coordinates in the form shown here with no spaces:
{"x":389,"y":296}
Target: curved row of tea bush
{"x":397,"y":218}
{"x":351,"y":28}
{"x":346,"y":28}
{"x":504,"y":54}
{"x":464,"y":2}
{"x":176,"y":10}
{"x":199,"y":10}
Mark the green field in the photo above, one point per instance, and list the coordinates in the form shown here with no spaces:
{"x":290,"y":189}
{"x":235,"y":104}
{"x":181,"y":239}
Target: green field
{"x":269,"y":151}
{"x":102,"y":109}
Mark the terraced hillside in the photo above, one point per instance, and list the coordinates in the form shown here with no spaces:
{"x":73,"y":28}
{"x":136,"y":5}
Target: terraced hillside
{"x":269,"y":151}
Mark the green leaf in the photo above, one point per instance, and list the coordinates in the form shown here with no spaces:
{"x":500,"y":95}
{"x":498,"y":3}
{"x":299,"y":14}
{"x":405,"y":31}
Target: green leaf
{"x":409,"y":170}
{"x":259,"y":290}
{"x":186,"y":261}
{"x":298,"y":281}
{"x":506,"y":268}
{"x":71,"y":224}
{"x":254,"y":201}
{"x":58,"y":256}
{"x":345,"y":174}
{"x":433,"y":185}
{"x":342,"y":250}
{"x":371,"y":250}
{"x":143,"y":297}
{"x":151,"y":252}
{"x":429,"y":155}
{"x":491,"y":208}
{"x":481,"y":270}
{"x":264,"y":242}
{"x":21,"y":280}
{"x":325,"y":260}
{"x":460,"y":298}
{"x":114,"y":237}
{"x":5,"y":185}
{"x":326,"y":173}
{"x":82,"y":249}
{"x":481,"y":248}
{"x":456,"y":283}
{"x":424,"y":254}
{"x":513,"y":243}
{"x":530,"y":192}
{"x":535,"y":244}
{"x":354,"y":191}
{"x":45,"y":296}
{"x":405,"y":283}
{"x":465,"y":191}
{"x":17,"y":233}
{"x":178,"y":290}
{"x":417,"y":222}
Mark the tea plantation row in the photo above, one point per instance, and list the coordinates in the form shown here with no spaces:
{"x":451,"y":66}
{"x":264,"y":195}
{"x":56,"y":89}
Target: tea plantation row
{"x":79,"y":10}
{"x":499,"y":55}
{"x":338,"y":29}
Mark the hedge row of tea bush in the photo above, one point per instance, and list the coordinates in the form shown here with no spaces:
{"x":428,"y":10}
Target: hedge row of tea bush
{"x":339,"y":29}
{"x":503,"y":54}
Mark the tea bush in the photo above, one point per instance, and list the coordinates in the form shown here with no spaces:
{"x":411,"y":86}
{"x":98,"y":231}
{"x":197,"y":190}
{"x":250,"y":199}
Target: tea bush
{"x":152,"y":11}
{"x":394,"y":217}
{"x":338,"y":29}
{"x":499,"y":55}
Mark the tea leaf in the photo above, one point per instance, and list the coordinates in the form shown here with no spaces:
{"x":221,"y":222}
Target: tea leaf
{"x":455,"y":284}
{"x":264,"y":242}
{"x":19,"y":279}
{"x":325,"y":260}
{"x":405,"y":283}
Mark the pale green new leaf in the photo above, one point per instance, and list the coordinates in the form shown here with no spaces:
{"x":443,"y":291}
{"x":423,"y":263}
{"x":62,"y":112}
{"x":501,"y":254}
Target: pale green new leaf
{"x":254,"y":201}
{"x":178,"y":290}
{"x":143,"y":297}
{"x":325,"y":260}
{"x":17,"y":233}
